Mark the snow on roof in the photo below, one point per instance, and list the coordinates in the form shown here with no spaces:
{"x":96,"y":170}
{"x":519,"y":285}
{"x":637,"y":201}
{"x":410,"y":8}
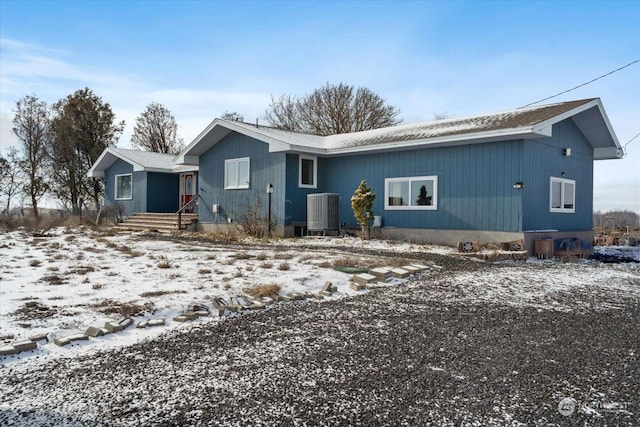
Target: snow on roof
{"x":531,"y":122}
{"x":146,"y":159}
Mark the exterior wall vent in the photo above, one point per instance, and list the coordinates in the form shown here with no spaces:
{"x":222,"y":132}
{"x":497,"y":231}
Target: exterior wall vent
{"x":323,"y":212}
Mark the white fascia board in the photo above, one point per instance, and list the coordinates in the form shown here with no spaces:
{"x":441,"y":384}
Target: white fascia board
{"x":95,"y":174}
{"x":451,"y":140}
{"x":607,"y":153}
{"x":102,"y":163}
{"x":301,"y":150}
{"x":161,"y":170}
{"x":196,"y":140}
{"x":184,"y":159}
{"x":610,"y":128}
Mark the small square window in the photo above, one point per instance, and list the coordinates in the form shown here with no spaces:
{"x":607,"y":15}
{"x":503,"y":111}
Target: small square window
{"x":562,"y":195}
{"x":236,"y":173}
{"x":124,"y":187}
{"x":308,"y":172}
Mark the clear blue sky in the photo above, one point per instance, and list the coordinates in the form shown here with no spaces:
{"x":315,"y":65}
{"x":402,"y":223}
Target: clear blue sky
{"x":201,"y":58}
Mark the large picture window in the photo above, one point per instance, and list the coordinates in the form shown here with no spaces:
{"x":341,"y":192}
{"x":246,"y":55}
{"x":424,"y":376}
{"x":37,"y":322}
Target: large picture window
{"x":308,"y":172}
{"x":562,"y":195}
{"x":124,"y":187}
{"x":418,"y":192}
{"x":236,"y":173}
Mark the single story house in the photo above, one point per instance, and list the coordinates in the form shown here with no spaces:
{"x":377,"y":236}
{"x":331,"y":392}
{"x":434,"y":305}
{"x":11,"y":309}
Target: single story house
{"x":143,"y":181}
{"x":517,"y":174}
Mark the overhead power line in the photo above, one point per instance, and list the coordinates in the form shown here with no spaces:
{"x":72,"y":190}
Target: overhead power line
{"x":583,"y":84}
{"x":624,"y":148}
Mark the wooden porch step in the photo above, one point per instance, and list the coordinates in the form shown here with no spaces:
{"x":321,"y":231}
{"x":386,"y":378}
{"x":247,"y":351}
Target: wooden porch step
{"x":157,"y":221}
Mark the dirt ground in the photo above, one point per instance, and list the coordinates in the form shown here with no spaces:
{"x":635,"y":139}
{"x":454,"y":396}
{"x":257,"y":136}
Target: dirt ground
{"x":437,"y":350}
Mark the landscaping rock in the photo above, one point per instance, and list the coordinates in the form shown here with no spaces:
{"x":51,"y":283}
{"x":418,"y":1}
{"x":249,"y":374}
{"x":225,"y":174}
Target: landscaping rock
{"x":381,"y":274}
{"x":113,"y":327}
{"x":358,"y":286}
{"x":181,"y":318}
{"x":364,"y":278}
{"x":156,"y":322}
{"x":25,"y":345}
{"x":142,"y":324}
{"x":8,"y":350}
{"x":40,"y":337}
{"x":94,"y":332}
{"x":126,"y":322}
{"x":399,"y":273}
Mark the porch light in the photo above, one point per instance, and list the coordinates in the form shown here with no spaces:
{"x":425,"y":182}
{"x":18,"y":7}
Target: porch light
{"x":269,"y":192}
{"x":518,"y":185}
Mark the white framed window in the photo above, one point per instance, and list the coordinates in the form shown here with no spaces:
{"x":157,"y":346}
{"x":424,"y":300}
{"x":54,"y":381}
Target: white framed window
{"x":124,"y":187}
{"x":562,"y":195}
{"x":308,"y":167}
{"x":417,"y":192}
{"x":236,"y":173}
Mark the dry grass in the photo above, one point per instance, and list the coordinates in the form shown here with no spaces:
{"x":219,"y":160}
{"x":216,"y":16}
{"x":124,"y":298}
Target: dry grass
{"x":210,"y":257}
{"x":346,"y":262}
{"x":266,"y":265}
{"x":164,"y":264}
{"x":97,"y":286}
{"x":284,"y":266}
{"x":54,"y":279}
{"x":262,"y":256}
{"x":35,"y":262}
{"x":263,"y":290}
{"x":124,"y":309}
{"x":151,"y":294}
{"x":204,"y":271}
{"x":283,"y":255}
{"x":241,"y":255}
{"x":83,"y":269}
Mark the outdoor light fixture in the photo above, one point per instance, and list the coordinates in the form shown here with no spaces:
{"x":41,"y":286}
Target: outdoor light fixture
{"x":518,"y":185}
{"x":269,"y":192}
{"x":566,"y":152}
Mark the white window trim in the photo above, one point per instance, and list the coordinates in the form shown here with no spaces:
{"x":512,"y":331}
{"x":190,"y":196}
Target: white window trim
{"x":562,"y":182}
{"x":115,"y":194}
{"x":409,"y":179}
{"x":315,"y":171}
{"x":237,"y":161}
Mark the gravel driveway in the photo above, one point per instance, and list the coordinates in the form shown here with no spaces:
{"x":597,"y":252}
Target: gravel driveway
{"x":435,"y":350}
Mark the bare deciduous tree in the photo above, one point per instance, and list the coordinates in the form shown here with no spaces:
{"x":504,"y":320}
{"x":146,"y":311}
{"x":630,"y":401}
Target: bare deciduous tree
{"x":84,"y":126}
{"x":11,"y":176}
{"x":442,"y":116}
{"x":32,"y":126}
{"x":156,"y":130}
{"x":233,"y":116}
{"x":332,"y":110}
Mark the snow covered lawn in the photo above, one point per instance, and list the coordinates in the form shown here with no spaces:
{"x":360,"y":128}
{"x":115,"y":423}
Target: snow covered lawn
{"x":471,"y":343}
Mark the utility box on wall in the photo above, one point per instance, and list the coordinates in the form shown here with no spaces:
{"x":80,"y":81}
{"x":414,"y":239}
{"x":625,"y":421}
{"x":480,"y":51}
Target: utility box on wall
{"x":323,"y":212}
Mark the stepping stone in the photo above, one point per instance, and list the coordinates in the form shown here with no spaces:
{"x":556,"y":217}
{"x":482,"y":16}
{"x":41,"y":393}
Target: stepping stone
{"x":202,"y":313}
{"x":198,"y":307}
{"x":420,"y":267}
{"x":382,"y":274}
{"x":142,"y":324}
{"x":126,"y":322}
{"x":328,"y":287}
{"x":191,"y":315}
{"x":325,"y":293}
{"x":267,"y":300}
{"x":25,"y":345}
{"x":156,"y":322}
{"x":93,"y":332}
{"x":411,"y":269}
{"x":181,"y":318}
{"x":67,"y":340}
{"x":8,"y":350}
{"x":219,"y":306}
{"x":364,"y":278}
{"x":113,"y":327}
{"x":358,"y":286}
{"x":41,"y":337}
{"x":285,"y":298}
{"x":399,"y":273}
